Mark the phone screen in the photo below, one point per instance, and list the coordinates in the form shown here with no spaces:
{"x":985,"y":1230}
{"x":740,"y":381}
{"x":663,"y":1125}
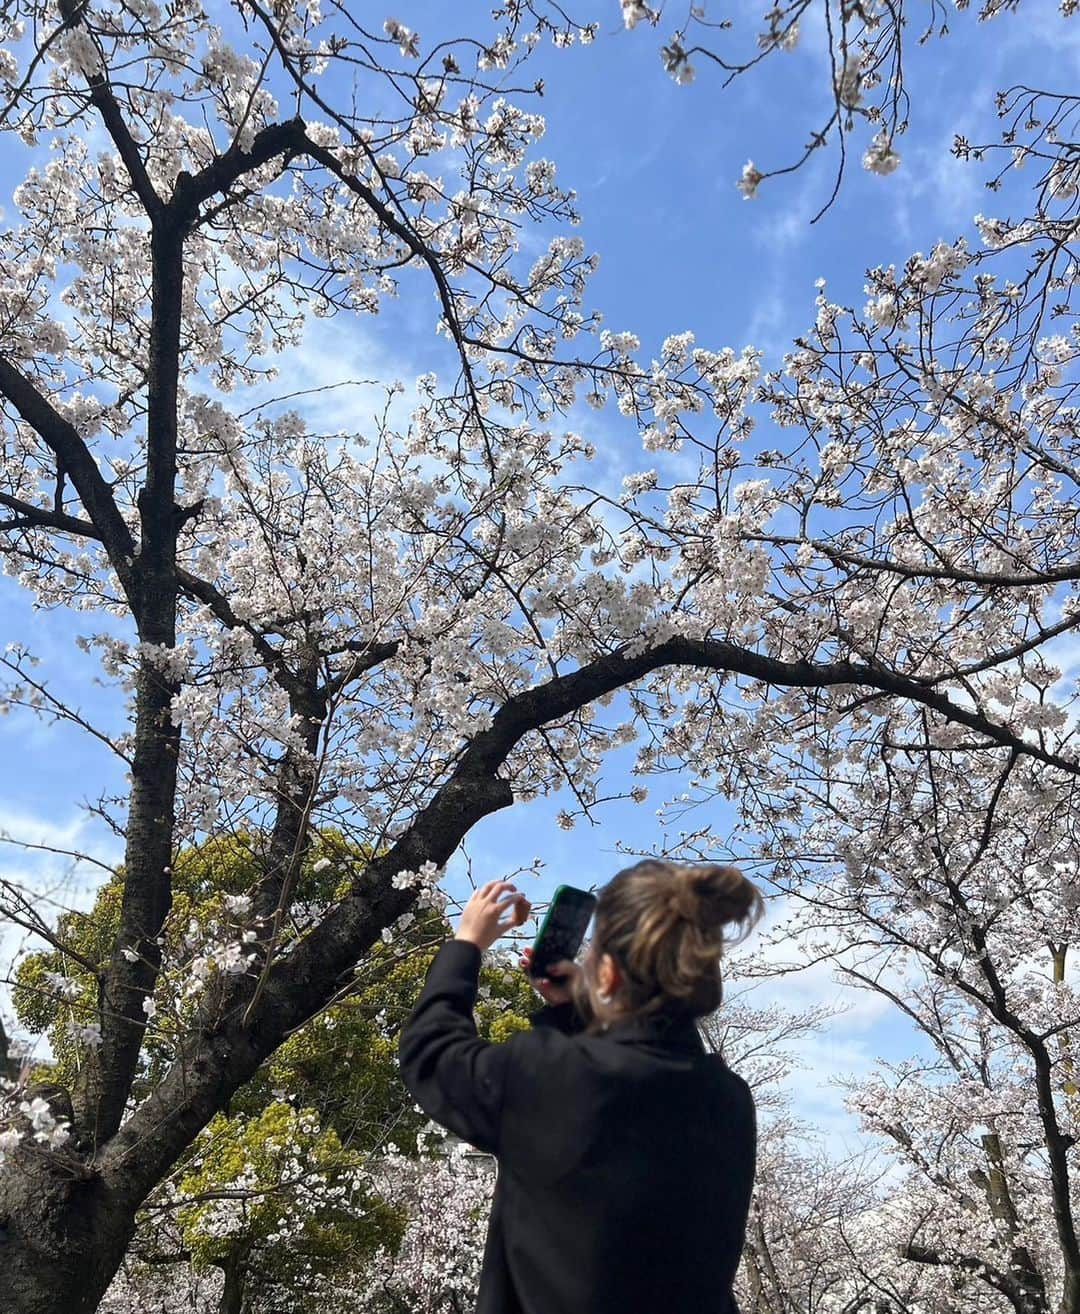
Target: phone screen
{"x":564,"y":928}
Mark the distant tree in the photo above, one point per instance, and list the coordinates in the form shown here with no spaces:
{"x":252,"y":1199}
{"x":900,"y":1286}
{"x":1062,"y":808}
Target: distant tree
{"x":944,"y":884}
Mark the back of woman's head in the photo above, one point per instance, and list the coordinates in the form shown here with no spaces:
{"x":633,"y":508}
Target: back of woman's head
{"x":666,"y":924}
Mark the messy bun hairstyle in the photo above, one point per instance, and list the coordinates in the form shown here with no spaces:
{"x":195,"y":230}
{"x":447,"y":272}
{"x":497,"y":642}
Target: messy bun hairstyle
{"x":666,"y":924}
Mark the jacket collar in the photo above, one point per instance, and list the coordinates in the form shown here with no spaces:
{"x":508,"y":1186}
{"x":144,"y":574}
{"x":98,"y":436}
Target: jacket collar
{"x":675,"y":1033}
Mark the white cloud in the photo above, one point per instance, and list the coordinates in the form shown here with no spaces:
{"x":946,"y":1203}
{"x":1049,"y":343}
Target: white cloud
{"x":863,"y":1029}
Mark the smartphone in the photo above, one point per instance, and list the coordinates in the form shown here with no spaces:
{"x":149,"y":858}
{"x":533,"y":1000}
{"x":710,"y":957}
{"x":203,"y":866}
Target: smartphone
{"x":563,"y":929}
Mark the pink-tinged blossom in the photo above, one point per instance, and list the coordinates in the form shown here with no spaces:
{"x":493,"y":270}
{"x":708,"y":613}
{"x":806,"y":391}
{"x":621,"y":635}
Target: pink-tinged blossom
{"x":881,"y":157}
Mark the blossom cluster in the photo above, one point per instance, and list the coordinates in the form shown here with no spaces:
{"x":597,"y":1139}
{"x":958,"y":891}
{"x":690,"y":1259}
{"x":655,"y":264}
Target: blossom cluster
{"x":28,"y":1120}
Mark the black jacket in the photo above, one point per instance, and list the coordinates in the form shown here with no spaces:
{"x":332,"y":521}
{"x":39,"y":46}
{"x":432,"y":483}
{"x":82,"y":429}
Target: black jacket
{"x":625,"y":1158}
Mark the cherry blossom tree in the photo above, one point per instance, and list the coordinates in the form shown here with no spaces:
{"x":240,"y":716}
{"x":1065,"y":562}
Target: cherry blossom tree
{"x":399,"y":628}
{"x":809,"y":1208}
{"x":806,"y":1248}
{"x":944,"y":881}
{"x":445,"y":1196}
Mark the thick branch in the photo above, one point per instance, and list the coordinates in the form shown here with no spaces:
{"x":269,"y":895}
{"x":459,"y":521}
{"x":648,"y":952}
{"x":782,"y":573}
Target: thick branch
{"x":218,"y":176}
{"x":45,"y":518}
{"x":39,"y":517}
{"x":566,"y":694}
{"x":220,"y":1056}
{"x":920,"y":1254}
{"x":104,"y":101}
{"x":61,"y":436}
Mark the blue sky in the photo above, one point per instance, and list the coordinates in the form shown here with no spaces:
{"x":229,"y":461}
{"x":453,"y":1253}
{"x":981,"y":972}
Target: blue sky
{"x":654,"y":166}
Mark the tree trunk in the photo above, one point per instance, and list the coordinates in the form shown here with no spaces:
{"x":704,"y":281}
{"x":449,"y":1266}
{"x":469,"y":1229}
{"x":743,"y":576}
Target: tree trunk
{"x":235,"y":1271}
{"x":62,"y":1237}
{"x":1029,"y":1281}
{"x":759,"y":1302}
{"x":106,"y":1076}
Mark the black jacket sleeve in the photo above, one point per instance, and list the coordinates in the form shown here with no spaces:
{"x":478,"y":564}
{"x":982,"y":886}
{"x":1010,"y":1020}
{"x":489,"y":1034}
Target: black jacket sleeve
{"x":455,"y":1076}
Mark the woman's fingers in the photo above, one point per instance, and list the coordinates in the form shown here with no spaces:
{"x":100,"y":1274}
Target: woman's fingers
{"x":490,"y":892}
{"x":507,"y":899}
{"x":525,"y":962}
{"x":494,"y":891}
{"x":491,"y":910}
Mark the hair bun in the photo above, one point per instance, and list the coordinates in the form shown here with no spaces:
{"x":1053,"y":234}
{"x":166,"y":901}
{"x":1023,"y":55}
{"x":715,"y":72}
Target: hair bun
{"x":664,"y":922}
{"x":713,"y":896}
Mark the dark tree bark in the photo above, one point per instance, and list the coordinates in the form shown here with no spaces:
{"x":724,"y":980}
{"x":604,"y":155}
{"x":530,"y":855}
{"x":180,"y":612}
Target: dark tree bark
{"x":234,"y":1273}
{"x":149,"y":841}
{"x":62,"y":1236}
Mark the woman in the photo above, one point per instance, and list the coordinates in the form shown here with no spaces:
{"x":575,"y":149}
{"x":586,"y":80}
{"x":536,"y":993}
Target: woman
{"x":626,"y":1152}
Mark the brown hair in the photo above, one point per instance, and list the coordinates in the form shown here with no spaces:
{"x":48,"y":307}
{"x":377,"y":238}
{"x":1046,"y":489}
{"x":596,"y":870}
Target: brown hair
{"x":666,"y":925}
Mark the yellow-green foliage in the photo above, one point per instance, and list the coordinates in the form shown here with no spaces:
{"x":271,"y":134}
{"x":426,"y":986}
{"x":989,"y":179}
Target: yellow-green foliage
{"x":504,"y":1025}
{"x":329,"y":1096}
{"x":289,"y":1186}
{"x":344,"y":1062}
{"x":341,"y":1073}
{"x":204,"y":876}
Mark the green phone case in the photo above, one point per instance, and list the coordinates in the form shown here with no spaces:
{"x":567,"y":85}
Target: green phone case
{"x":560,"y":891}
{"x":547,"y":916}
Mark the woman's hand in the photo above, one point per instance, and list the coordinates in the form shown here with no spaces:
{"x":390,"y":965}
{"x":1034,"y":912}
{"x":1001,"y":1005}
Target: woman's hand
{"x":558,"y":986}
{"x":485,"y":918}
